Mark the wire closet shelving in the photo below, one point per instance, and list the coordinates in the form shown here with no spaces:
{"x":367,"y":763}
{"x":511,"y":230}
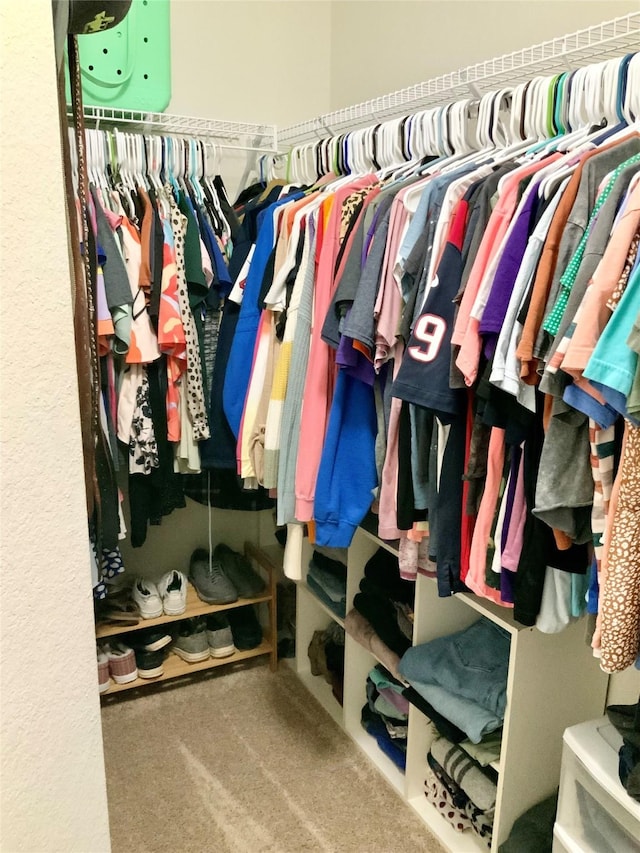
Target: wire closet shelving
{"x":592,"y":44}
{"x":242,"y":136}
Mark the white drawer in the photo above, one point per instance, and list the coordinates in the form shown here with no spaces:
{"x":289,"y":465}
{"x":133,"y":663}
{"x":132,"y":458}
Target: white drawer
{"x":562,"y":842}
{"x":594,"y":810}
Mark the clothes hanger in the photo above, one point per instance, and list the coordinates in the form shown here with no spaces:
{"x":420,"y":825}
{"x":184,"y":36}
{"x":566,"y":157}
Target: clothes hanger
{"x":150,"y":155}
{"x":585,"y":108}
{"x":621,"y":86}
{"x":171,"y":164}
{"x":155,"y":147}
{"x":141,"y":159}
{"x":99,"y":161}
{"x":195,"y":170}
{"x":89,"y":143}
{"x":631,"y":108}
{"x":124,"y":186}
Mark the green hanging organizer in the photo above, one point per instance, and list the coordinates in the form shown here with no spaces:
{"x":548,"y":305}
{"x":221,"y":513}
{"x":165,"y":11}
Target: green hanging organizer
{"x":129,"y":66}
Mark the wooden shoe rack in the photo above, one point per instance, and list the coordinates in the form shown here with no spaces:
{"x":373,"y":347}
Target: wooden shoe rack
{"x":267,"y":562}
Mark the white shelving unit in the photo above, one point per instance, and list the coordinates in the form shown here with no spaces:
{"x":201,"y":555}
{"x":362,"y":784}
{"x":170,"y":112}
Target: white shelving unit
{"x":554,"y":682}
{"x":592,"y":44}
{"x":237,"y":135}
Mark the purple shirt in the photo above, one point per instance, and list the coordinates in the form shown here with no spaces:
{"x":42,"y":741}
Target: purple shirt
{"x":507,"y":272}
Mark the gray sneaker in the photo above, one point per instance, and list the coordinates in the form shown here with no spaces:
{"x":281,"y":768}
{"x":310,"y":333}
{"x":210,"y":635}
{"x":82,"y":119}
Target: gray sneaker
{"x":191,"y":642}
{"x":219,"y":636}
{"x":239,"y":571}
{"x":211,"y":583}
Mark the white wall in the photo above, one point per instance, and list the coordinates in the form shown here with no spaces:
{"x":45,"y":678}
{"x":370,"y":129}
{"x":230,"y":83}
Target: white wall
{"x":170,"y":545}
{"x":378,"y":47}
{"x":251,"y":60}
{"x":53,"y":794}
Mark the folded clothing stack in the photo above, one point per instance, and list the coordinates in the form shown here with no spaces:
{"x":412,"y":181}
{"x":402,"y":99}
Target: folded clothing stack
{"x":463,"y":678}
{"x":386,"y":714}
{"x":386,"y":601}
{"x":362,"y":632}
{"x":326,"y":655}
{"x":462,"y":791}
{"x":327,"y":579}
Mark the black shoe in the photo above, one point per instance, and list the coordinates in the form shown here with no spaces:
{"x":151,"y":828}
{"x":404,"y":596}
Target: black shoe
{"x":150,"y":639}
{"x":246,"y":630}
{"x":150,"y":664}
{"x":239,"y":571}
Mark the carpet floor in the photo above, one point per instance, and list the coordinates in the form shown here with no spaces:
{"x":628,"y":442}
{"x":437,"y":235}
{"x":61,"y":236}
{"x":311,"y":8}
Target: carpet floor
{"x":245,"y":762}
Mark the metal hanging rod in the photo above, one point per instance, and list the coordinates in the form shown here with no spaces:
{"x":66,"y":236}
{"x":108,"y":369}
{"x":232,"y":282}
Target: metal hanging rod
{"x":240,"y":136}
{"x":593,"y":44}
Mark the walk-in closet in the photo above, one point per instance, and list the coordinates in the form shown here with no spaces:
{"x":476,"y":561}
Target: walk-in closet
{"x":320,"y":426}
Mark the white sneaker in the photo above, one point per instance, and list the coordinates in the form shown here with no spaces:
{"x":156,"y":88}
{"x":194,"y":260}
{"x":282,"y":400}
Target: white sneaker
{"x":145,"y":594}
{"x":172,"y":589}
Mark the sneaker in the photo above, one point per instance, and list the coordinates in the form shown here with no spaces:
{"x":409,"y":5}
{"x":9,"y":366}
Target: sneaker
{"x":145,"y":594}
{"x":103,"y":670}
{"x":245,"y":628}
{"x":150,"y":639}
{"x":211,"y":583}
{"x":172,"y":589}
{"x":149,"y":663}
{"x":122,"y":663}
{"x":219,"y":636}
{"x":239,"y":571}
{"x":191,"y":644}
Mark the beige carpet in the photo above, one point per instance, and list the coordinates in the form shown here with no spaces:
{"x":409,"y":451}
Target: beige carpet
{"x":245,"y":762}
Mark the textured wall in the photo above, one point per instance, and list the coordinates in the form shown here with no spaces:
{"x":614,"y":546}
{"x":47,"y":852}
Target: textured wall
{"x":53,"y":795}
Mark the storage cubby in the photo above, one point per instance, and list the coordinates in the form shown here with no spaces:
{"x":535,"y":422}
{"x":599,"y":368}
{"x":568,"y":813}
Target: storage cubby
{"x":553,"y":682}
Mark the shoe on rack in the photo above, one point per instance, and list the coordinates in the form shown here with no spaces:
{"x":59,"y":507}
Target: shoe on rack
{"x":172,"y":589}
{"x":150,"y":664}
{"x":145,"y":594}
{"x":245,"y":628}
{"x":239,"y":571}
{"x":219,"y":636}
{"x":117,"y":607}
{"x":122,"y":663}
{"x":191,"y":643}
{"x":150,"y":639}
{"x":209,"y":579}
{"x":103,"y":670}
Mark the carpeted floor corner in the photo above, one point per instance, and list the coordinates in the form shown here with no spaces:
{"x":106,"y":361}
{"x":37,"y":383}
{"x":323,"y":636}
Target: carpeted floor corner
{"x":245,"y":762}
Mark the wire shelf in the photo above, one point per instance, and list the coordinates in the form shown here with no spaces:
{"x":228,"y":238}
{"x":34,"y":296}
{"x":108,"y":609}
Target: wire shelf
{"x":593,"y":44}
{"x":232,"y":134}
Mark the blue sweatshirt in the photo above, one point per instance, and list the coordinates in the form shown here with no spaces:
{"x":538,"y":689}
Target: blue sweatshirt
{"x":347,"y":475}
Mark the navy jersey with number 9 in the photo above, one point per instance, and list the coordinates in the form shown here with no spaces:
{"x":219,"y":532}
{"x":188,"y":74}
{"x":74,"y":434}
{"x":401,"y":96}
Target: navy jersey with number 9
{"x":423,"y":377}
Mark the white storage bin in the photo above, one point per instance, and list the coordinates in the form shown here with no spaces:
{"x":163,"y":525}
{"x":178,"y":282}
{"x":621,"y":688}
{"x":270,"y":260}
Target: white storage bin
{"x":595,"y":813}
{"x":562,"y":843}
